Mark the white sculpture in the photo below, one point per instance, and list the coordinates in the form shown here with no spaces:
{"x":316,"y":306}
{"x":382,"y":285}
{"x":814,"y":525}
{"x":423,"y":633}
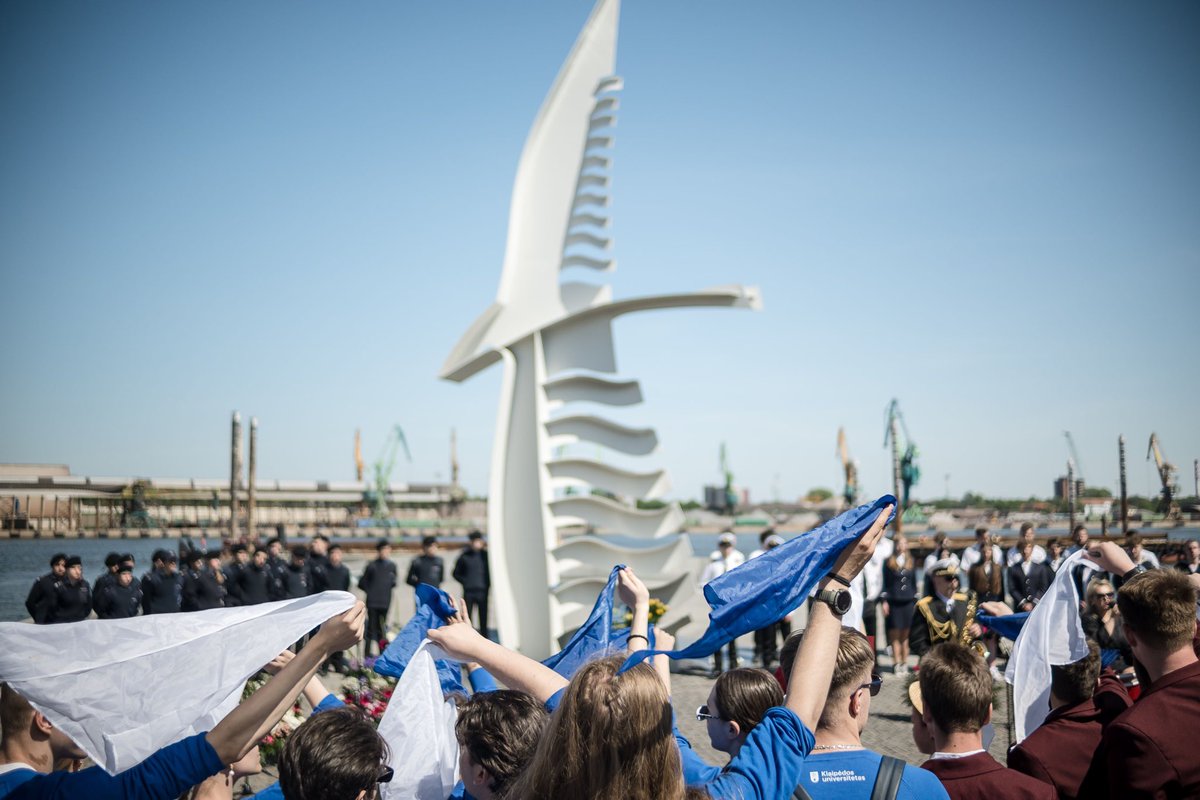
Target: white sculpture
{"x":554,"y":338}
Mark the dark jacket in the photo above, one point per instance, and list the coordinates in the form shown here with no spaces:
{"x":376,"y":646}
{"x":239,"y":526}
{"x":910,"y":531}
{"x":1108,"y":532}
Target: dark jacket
{"x":472,"y":571}
{"x":233,"y":589}
{"x":1094,"y":629}
{"x":920,"y":636}
{"x":981,"y":777}
{"x":1150,"y":750}
{"x":318,"y":571}
{"x":1060,"y":752}
{"x":278,"y":569}
{"x":202,"y":591}
{"x":426,"y":569}
{"x":1034,"y":585}
{"x":72,"y":601}
{"x":118,"y":602}
{"x":377,"y":582}
{"x":41,"y":598}
{"x":296,"y":582}
{"x":338,"y":577}
{"x":255,"y":584}
{"x":161,"y":593}
{"x":900,"y":584}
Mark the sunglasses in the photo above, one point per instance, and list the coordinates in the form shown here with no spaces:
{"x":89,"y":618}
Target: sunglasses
{"x":876,"y":684}
{"x":702,"y":714}
{"x":385,"y":775}
{"x":1105,"y":595}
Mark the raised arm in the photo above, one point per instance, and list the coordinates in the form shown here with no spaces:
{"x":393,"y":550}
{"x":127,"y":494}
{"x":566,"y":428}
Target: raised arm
{"x":233,"y":736}
{"x":812,"y":670}
{"x":633,"y":593}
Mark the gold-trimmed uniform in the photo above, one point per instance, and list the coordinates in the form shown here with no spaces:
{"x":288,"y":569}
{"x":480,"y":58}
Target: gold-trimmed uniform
{"x":933,"y":624}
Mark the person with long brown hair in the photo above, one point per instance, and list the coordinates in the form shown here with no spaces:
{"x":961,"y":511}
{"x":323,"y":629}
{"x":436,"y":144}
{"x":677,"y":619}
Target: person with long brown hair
{"x":899,"y":600}
{"x":610,"y":736}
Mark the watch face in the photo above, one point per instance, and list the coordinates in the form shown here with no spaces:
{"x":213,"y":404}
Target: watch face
{"x":841,"y":601}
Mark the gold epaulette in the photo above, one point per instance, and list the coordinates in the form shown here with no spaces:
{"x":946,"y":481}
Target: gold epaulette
{"x":924,"y":601}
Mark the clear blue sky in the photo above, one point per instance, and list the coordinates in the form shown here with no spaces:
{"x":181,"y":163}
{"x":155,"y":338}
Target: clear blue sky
{"x":990,"y":211}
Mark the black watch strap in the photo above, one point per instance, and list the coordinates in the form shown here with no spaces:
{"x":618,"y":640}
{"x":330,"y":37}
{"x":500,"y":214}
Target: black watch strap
{"x":833,"y":576}
{"x":1138,"y":570}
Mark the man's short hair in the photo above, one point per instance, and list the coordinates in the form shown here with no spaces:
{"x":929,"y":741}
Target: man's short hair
{"x":746,"y":694}
{"x":1160,"y":607}
{"x":428,"y":541}
{"x":500,"y":732}
{"x":473,"y":535}
{"x":334,"y":755}
{"x":112,"y":559}
{"x":274,"y":540}
{"x":1025,"y":526}
{"x":854,"y":658}
{"x":981,"y":531}
{"x":1134,"y":539}
{"x":1078,"y":528}
{"x":57,"y":558}
{"x":15,"y":713}
{"x":1075,"y":682}
{"x":956,"y":687}
{"x":320,"y":537}
{"x":299,"y":551}
{"x":382,"y":543}
{"x":334,"y":546}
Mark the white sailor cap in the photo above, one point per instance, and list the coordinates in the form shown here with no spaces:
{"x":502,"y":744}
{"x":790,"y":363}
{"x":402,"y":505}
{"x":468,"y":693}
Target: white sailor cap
{"x":946,"y":567}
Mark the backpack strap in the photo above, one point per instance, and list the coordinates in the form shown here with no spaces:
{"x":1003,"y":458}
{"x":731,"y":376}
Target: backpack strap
{"x":800,"y":794}
{"x":887,"y":780}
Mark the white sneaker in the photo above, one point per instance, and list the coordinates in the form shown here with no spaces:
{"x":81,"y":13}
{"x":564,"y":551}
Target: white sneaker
{"x":997,"y":675}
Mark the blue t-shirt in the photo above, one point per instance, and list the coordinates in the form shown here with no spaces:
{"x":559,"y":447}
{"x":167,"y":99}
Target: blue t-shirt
{"x":850,"y":775}
{"x":163,"y":776}
{"x":769,"y":763}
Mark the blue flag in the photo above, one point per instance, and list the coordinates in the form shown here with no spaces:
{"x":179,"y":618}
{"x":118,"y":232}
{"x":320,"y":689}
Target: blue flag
{"x":763,"y":590}
{"x":1007,"y":626}
{"x":596,"y":636}
{"x":433,"y":607}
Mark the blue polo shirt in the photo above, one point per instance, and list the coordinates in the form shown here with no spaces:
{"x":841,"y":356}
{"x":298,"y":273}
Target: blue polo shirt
{"x":850,"y":775}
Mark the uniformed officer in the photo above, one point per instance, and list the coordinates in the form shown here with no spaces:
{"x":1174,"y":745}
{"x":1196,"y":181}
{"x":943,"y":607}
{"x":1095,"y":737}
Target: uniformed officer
{"x":72,"y":595}
{"x":120,"y":598}
{"x":947,"y":616}
{"x":41,"y":594}
{"x":162,"y":586}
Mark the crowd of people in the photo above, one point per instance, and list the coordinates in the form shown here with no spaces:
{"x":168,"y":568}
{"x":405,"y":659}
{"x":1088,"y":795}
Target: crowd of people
{"x":608,"y":731}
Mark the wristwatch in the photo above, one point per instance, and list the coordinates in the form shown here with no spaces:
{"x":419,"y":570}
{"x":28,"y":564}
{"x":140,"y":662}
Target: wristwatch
{"x":1138,"y":570}
{"x":838,"y":600}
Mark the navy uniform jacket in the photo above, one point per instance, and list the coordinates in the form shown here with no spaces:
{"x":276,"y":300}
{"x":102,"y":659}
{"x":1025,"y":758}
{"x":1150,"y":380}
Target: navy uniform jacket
{"x":255,"y":584}
{"x":377,"y":582}
{"x":161,"y":593}
{"x":318,"y":571}
{"x":72,"y":601}
{"x":472,"y":571}
{"x":1032,"y":585}
{"x":923,"y":635}
{"x":426,"y":569}
{"x":296,"y":582}
{"x":41,"y":598}
{"x":202,"y":591}
{"x":338,"y":577}
{"x":118,"y":602}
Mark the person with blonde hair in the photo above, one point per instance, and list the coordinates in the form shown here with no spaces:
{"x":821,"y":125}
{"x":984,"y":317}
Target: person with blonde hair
{"x":1102,"y":624}
{"x":610,"y":735}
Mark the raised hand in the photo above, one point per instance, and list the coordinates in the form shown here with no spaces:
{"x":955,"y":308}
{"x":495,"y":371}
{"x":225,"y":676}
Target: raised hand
{"x":630,"y":589}
{"x":856,"y":554}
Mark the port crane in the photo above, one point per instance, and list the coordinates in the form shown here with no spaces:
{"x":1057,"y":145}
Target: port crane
{"x":905,"y":471}
{"x":1166,"y":474}
{"x":850,"y":493}
{"x":1074,"y":456}
{"x":377,"y":496}
{"x":731,"y":497}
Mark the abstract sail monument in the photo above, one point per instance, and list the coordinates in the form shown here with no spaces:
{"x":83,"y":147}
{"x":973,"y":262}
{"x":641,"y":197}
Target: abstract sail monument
{"x":558,"y":522}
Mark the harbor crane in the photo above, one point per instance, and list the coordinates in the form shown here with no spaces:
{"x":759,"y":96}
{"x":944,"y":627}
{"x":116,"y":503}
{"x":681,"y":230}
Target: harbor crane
{"x":850,"y":493}
{"x":383,"y":466}
{"x":905,"y":471}
{"x":1166,"y":474}
{"x":1074,"y":456}
{"x":731,"y":497}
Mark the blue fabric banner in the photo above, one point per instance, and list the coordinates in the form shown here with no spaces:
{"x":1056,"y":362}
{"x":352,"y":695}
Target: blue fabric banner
{"x":433,"y":607}
{"x":763,"y":590}
{"x":595,"y":637}
{"x":1007,"y":626}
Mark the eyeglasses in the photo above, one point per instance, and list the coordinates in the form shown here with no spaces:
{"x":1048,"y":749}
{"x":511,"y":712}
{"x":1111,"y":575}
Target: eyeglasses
{"x":703,"y":714}
{"x":1105,"y":595}
{"x":875,"y":685}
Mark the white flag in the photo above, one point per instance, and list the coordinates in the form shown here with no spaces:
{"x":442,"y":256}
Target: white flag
{"x":1052,"y":635}
{"x":418,"y":726}
{"x":124,"y":688}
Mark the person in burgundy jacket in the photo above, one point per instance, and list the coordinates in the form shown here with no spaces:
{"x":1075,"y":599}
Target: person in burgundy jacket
{"x":1152,"y":749}
{"x":1060,"y":752}
{"x":956,"y":701}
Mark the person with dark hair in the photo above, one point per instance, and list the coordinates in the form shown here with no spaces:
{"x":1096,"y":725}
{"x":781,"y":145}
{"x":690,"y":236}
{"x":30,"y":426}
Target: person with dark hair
{"x":1150,"y":749}
{"x":738,"y":701}
{"x":1138,"y":554}
{"x":256,"y":581}
{"x":956,"y":700}
{"x":30,"y":745}
{"x":899,"y":600}
{"x":1028,"y":579}
{"x":985,"y":577}
{"x":318,"y":563}
{"x":1083,"y":701}
{"x":839,"y":749}
{"x":192,"y":579}
{"x":948,"y":616}
{"x":335,"y":755}
{"x":972,"y":553}
{"x":277,"y":567}
{"x":377,"y":582}
{"x":72,"y":596}
{"x":766,"y":640}
{"x":1189,"y":562}
{"x":1025,"y":536}
{"x":232,"y":572}
{"x":297,"y":582}
{"x":1054,"y":554}
{"x":427,"y":567}
{"x":121,"y":598}
{"x":41,"y":594}
{"x":497,"y":733}
{"x":162,"y":586}
{"x":111,"y":562}
{"x":337,"y":573}
{"x":935,"y":554}
{"x":472,"y":571}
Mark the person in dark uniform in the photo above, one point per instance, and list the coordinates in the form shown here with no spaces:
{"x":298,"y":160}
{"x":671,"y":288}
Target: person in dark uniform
{"x":210,"y":589}
{"x":256,"y":581}
{"x":296,"y":580}
{"x":899,"y":600}
{"x":428,"y":567}
{"x":948,"y":616}
{"x":318,"y":563}
{"x":277,"y":565}
{"x":472,"y":571}
{"x":377,"y":582}
{"x":194,"y":566}
{"x":337,"y":576}
{"x":111,"y":562}
{"x":233,"y":589}
{"x":162,"y":586}
{"x":72,"y":595}
{"x":120,"y":598}
{"x":1028,"y":580}
{"x":41,"y":594}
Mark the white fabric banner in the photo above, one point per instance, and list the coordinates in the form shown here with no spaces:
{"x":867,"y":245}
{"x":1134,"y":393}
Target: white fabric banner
{"x":1052,"y":635}
{"x":418,"y":726}
{"x":125,"y":688}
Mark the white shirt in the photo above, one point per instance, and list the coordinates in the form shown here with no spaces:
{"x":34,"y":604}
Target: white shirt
{"x":1149,"y":559}
{"x":1039,"y":555}
{"x":971,"y":556}
{"x":873,"y":571}
{"x":718,"y":565}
